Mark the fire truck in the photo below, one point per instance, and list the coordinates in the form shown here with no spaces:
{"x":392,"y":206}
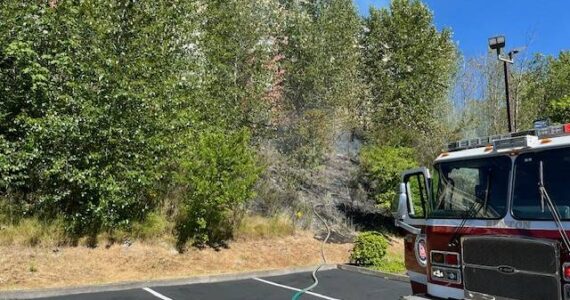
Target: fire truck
{"x":489,"y":219}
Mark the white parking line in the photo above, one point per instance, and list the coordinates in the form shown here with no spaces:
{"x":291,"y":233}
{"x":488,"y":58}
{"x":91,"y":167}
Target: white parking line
{"x":156,"y":294}
{"x":293,"y":289}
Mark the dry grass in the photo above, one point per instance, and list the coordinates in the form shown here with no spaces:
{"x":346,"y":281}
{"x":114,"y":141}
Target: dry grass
{"x":256,"y":227}
{"x":23,"y":267}
{"x":32,"y":232}
{"x":32,"y":255}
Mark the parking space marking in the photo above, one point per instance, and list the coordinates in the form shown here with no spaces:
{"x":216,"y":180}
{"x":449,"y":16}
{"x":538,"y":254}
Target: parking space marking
{"x":293,"y":289}
{"x":156,"y":294}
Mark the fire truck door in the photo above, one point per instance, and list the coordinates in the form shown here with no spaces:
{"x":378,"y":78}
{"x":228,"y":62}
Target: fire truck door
{"x":413,"y":203}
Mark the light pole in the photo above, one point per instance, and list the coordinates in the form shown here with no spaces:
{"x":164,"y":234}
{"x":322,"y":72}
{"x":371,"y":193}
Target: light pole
{"x":498,"y":43}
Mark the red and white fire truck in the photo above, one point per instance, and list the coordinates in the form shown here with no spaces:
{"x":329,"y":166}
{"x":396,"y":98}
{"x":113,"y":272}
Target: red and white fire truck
{"x":489,"y":220}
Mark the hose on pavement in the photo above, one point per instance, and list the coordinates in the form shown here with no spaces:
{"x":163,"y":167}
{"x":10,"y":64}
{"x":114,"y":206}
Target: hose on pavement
{"x":324,"y":259}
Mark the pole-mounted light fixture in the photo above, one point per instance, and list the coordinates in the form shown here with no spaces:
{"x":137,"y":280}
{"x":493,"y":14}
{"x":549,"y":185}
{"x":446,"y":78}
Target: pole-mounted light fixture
{"x":498,"y":43}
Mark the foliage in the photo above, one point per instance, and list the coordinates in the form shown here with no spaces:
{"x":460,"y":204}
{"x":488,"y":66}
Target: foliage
{"x":153,"y":226}
{"x":322,"y":58}
{"x":321,"y":73}
{"x":408,"y":66}
{"x":558,"y":73}
{"x":112,"y":110}
{"x":559,"y":110}
{"x":311,"y":138}
{"x":392,"y":265}
{"x":237,"y":45}
{"x":558,"y":86}
{"x":532,"y":96}
{"x":369,"y":249}
{"x":88,"y":95}
{"x":538,"y":86}
{"x":219,"y":169}
{"x":381,"y":168}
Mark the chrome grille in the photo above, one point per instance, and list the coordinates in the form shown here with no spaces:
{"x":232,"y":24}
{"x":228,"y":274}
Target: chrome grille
{"x":511,"y":268}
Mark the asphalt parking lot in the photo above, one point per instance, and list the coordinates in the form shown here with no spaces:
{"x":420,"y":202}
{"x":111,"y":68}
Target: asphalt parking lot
{"x":333,"y":284}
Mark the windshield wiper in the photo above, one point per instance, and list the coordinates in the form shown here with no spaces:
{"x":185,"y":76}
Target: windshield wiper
{"x":552,"y":207}
{"x":454,"y":240}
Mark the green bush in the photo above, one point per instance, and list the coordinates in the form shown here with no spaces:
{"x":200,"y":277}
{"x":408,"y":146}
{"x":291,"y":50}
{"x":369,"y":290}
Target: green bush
{"x":381,"y":169}
{"x":369,"y":249}
{"x":219,"y":172}
{"x":154,"y":226}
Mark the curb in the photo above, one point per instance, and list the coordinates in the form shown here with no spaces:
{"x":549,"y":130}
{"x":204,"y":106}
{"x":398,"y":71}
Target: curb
{"x":389,"y":276}
{"x":53,"y":292}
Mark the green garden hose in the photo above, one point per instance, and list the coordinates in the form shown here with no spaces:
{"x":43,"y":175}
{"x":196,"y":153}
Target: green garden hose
{"x":324,"y":262}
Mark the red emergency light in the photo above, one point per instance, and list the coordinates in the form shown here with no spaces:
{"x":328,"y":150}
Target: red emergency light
{"x":566,"y":271}
{"x":452,"y":259}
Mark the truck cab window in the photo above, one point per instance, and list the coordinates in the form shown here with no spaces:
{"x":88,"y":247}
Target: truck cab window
{"x":471,"y":188}
{"x":556,"y":169}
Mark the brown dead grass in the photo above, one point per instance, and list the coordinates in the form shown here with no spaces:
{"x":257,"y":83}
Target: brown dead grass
{"x":43,"y":267}
{"x":395,"y":247}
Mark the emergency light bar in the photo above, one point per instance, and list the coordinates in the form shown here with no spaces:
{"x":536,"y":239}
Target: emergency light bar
{"x":516,"y":142}
{"x":511,"y":140}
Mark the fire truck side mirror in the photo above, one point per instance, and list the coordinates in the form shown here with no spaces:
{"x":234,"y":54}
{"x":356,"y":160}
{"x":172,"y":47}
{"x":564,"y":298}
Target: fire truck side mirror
{"x":412,"y":200}
{"x":402,"y":216}
{"x":402,"y":212}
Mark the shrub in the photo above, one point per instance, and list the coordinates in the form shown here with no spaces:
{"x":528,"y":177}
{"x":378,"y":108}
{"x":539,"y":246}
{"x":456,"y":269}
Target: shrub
{"x":154,"y":226}
{"x":392,"y":265}
{"x":219,"y":171}
{"x":369,"y":249}
{"x":381,"y":168}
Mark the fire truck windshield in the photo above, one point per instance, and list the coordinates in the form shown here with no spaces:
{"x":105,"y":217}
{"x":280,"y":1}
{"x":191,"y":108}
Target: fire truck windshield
{"x":527,"y":202}
{"x":476,"y":188}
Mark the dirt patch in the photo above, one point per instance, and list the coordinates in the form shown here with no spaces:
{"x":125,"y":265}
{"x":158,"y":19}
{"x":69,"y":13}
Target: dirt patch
{"x":28,"y":267}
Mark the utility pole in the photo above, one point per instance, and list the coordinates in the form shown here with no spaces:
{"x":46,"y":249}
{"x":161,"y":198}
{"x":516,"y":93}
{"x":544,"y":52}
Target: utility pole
{"x":507,"y":94}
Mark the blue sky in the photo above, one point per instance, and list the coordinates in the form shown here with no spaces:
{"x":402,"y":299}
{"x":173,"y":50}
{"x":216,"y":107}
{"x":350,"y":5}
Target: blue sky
{"x":543,"y":26}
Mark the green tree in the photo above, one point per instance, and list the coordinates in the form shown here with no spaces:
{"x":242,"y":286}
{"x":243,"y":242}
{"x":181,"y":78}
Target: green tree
{"x":89,"y":92}
{"x":218,"y":172}
{"x":560,"y":110}
{"x":558,"y":88}
{"x":237,"y":40}
{"x":322,"y":65}
{"x":381,"y":169}
{"x":408,"y":66}
{"x":533,"y":99}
